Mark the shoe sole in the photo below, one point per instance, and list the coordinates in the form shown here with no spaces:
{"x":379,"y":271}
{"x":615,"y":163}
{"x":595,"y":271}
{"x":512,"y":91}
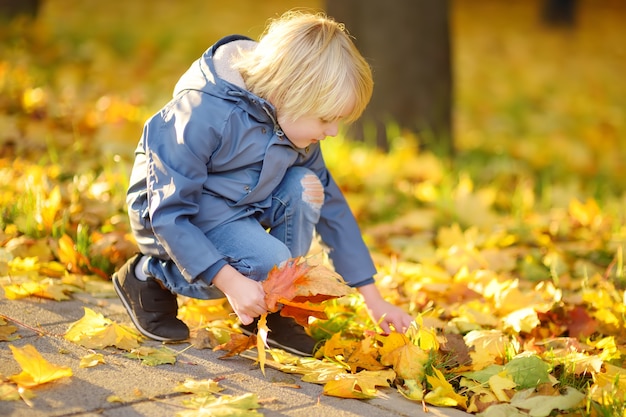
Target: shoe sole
{"x":274,"y":344}
{"x":120,"y":292}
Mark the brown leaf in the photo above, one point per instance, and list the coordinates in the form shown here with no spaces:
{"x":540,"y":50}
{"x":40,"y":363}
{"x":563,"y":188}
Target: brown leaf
{"x":237,"y":344}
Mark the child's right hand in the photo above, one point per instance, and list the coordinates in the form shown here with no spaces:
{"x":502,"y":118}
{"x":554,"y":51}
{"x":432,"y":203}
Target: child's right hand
{"x":246,"y":296}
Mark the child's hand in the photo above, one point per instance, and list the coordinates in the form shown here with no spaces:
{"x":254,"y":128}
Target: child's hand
{"x":246,"y":296}
{"x":384,"y":313}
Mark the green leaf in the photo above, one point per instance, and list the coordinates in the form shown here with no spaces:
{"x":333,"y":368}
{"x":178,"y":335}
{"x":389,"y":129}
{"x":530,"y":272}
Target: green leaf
{"x":484,"y":374}
{"x":528,"y":371}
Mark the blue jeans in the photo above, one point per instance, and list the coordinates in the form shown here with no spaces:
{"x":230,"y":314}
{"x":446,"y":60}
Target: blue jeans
{"x":254,"y":245}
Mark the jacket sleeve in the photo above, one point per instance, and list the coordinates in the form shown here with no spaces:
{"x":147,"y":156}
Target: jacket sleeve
{"x":339,"y":230}
{"x":178,"y":145}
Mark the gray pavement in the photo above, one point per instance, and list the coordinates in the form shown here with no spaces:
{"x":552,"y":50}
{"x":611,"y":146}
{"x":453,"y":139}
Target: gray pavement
{"x":143,"y":390}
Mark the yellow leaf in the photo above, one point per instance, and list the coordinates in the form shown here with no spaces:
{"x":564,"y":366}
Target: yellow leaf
{"x":442,"y":393}
{"x":94,"y":331}
{"x":412,"y":390}
{"x":198,"y":313}
{"x":425,"y":338}
{"x":35,"y":369}
{"x":91,"y":360}
{"x":489,"y":346}
{"x":499,"y":383}
{"x":48,"y":208}
{"x":261,"y":340}
{"x":403,"y":356}
{"x":192,"y":386}
{"x":481,"y":397}
{"x":318,"y":372}
{"x":609,"y":386}
{"x":360,"y":386}
{"x":44,"y":289}
{"x":12,"y":392}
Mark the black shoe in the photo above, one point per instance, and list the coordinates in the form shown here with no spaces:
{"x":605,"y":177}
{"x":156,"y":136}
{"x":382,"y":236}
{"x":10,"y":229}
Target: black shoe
{"x":151,"y":307}
{"x":285,"y":333}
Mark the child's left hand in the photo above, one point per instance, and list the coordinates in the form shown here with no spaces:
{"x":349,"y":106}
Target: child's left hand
{"x":384,"y":313}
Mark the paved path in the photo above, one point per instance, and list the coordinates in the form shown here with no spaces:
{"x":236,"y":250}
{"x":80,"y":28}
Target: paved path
{"x":149,"y":390}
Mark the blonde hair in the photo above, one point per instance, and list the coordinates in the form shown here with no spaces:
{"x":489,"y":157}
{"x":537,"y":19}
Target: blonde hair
{"x":307,"y":64}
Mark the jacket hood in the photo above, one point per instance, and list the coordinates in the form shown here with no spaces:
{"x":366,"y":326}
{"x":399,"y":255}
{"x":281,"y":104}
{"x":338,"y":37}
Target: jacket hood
{"x":213,"y":73}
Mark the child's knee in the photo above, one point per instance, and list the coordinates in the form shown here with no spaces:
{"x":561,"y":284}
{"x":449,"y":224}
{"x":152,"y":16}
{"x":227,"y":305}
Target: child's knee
{"x":312,"y":190}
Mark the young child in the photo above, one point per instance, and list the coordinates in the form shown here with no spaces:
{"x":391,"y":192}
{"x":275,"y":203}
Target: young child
{"x":229,"y":180}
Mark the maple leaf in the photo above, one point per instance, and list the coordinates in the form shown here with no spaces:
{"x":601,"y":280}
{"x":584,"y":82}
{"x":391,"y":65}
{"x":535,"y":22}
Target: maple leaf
{"x":403,"y":356}
{"x":356,"y":354}
{"x":296,"y":278}
{"x":301,"y":311}
{"x":490,"y":346}
{"x":361,"y":385}
{"x":236,"y":344}
{"x":94,"y":331}
{"x":35,"y":369}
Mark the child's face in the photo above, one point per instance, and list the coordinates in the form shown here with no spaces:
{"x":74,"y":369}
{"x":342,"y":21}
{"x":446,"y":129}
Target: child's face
{"x":309,"y":129}
{"x":306,"y":130}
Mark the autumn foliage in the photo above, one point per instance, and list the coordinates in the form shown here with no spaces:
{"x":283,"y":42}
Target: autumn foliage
{"x":510,"y":257}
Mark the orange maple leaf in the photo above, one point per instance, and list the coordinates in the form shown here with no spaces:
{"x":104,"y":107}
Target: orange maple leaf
{"x":297,"y":281}
{"x":238,"y":343}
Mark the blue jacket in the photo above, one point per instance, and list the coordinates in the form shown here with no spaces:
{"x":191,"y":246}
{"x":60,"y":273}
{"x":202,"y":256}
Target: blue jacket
{"x":212,"y":154}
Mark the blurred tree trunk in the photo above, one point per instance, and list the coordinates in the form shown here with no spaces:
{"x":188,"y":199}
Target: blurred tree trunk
{"x":407,"y":43}
{"x":10,"y":9}
{"x":559,"y":12}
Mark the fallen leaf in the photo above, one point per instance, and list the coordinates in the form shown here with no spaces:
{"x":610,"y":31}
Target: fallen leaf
{"x":237,"y":344}
{"x":442,"y":393}
{"x":153,"y":357}
{"x":244,"y":405}
{"x":542,"y":405}
{"x":205,"y":386}
{"x":94,"y":331}
{"x":361,"y":385}
{"x":35,"y":369}
{"x":7,"y":332}
{"x":91,"y":360}
{"x":403,"y":356}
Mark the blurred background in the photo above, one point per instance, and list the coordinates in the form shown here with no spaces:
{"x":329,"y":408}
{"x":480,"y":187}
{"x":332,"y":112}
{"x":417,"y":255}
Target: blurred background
{"x":523,"y":88}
